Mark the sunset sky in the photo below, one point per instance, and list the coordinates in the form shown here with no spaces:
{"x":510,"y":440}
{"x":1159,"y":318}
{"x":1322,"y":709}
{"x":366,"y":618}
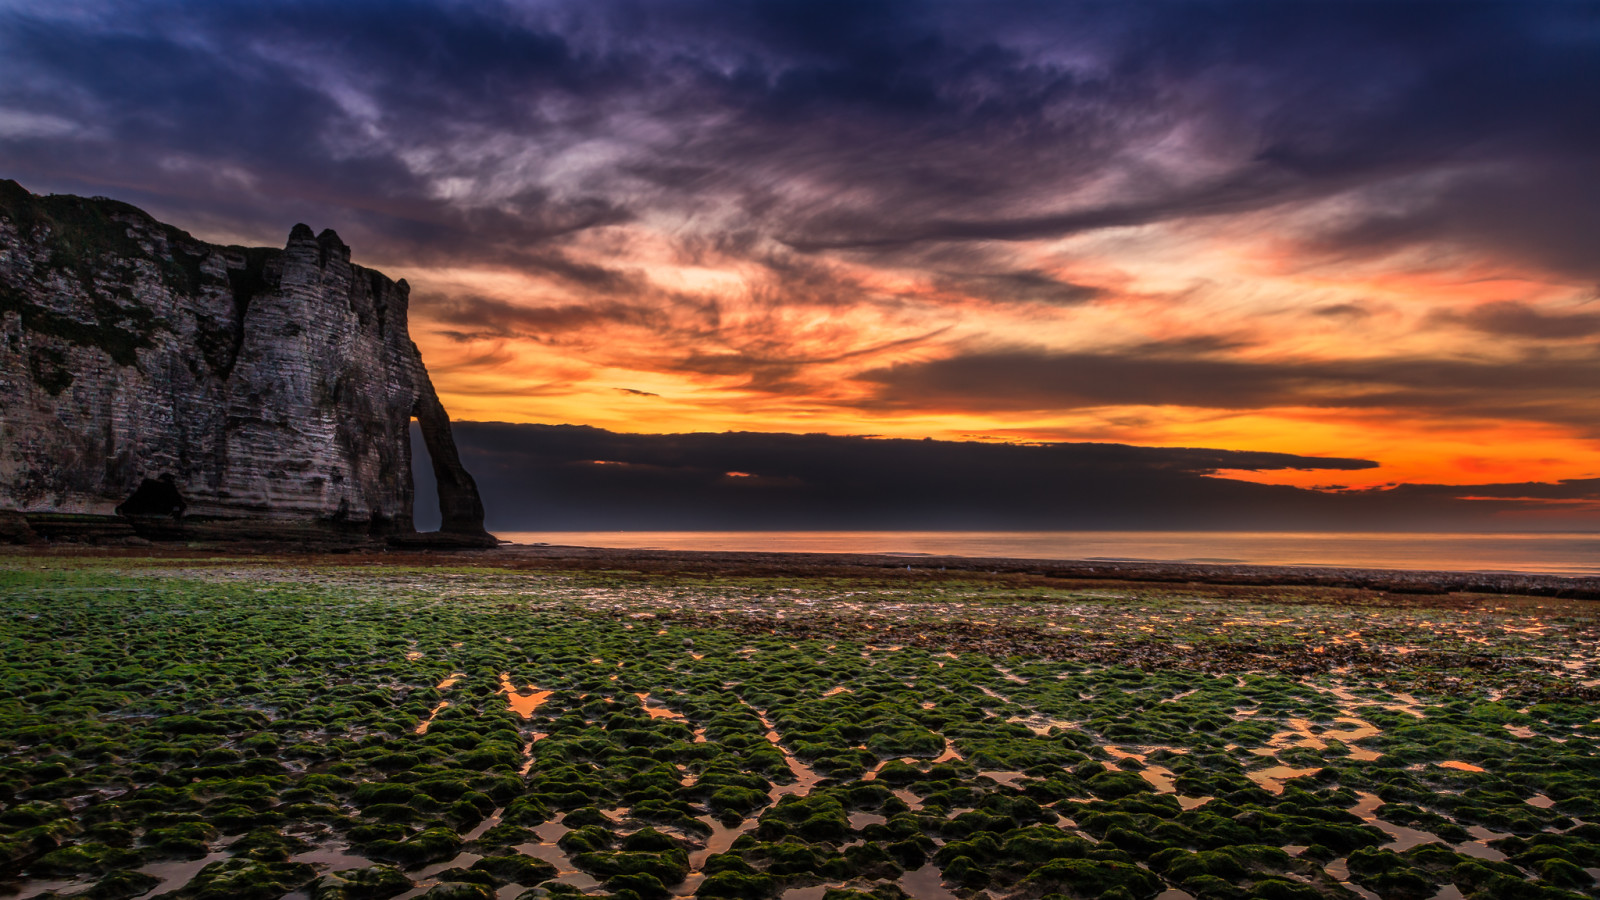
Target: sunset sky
{"x":1367,"y":231}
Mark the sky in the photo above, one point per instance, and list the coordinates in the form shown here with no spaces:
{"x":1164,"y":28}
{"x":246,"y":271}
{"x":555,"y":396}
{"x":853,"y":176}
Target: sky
{"x":1358,"y":237}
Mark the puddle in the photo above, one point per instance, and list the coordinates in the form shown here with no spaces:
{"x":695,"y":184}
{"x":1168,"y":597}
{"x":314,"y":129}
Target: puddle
{"x":1401,"y":838}
{"x":523,"y":701}
{"x":415,"y":655}
{"x":1303,"y":733}
{"x":805,"y":780}
{"x":721,"y":838}
{"x":550,"y":832}
{"x":450,"y":682}
{"x":1339,"y":870}
{"x":910,"y":799}
{"x":1460,"y":766}
{"x":657,"y":711}
{"x":66,"y":887}
{"x":1120,"y":753}
{"x":484,"y":826}
{"x":1361,"y":730}
{"x":1479,"y":845}
{"x":1408,"y":704}
{"x":1160,"y":777}
{"x":814,"y":892}
{"x":1009,"y":779}
{"x":805,"y":777}
{"x":1010,"y":675}
{"x":423,"y":728}
{"x":333,"y":859}
{"x":860,"y":820}
{"x":1035,"y":724}
{"x":926,"y":883}
{"x":1540,"y":801}
{"x":1273,"y":777}
{"x":546,"y":849}
{"x":176,"y":874}
{"x":462,"y":860}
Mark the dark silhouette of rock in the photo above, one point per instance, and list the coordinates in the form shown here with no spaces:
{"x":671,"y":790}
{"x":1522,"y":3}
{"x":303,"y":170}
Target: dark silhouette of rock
{"x":151,"y":380}
{"x":14,"y":528}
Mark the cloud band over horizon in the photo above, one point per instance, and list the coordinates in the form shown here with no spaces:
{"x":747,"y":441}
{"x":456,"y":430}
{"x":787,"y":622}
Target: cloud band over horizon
{"x":578,"y":478}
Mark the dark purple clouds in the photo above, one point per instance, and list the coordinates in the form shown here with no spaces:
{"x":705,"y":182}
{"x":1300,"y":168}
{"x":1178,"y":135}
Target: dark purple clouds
{"x":1539,"y":388}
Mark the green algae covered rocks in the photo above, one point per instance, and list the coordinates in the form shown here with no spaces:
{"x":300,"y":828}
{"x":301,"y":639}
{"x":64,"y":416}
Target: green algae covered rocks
{"x":246,"y":729}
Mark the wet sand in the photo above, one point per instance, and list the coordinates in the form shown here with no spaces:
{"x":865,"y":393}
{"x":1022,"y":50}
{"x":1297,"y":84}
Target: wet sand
{"x":1063,"y":573}
{"x":754,"y":563}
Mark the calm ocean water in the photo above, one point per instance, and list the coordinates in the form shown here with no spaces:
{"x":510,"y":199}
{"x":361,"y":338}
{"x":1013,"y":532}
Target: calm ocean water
{"x":1555,"y":554}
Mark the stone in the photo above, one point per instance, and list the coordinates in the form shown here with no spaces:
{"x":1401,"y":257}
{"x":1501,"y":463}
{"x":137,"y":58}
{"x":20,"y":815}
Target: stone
{"x":14,"y":528}
{"x":189,"y":390}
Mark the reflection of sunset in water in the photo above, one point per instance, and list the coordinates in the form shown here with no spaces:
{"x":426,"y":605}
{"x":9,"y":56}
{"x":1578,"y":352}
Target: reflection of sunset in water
{"x":523,"y":701}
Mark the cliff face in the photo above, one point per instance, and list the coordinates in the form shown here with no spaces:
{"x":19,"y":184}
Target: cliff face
{"x":196,"y":389}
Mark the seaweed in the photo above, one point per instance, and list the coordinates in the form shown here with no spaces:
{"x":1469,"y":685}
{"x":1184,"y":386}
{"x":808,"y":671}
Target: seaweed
{"x":260,"y":719}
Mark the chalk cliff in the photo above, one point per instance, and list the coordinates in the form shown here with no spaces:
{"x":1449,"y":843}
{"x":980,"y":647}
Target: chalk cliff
{"x":194,"y":390}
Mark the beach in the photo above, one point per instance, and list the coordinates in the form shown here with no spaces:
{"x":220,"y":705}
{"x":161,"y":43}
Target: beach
{"x":536,"y":722}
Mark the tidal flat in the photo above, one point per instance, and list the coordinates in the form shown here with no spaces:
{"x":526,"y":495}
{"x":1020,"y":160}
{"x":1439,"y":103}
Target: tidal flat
{"x":326,"y":728}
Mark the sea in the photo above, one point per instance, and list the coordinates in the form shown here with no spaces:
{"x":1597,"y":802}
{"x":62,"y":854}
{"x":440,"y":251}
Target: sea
{"x":1572,"y":554}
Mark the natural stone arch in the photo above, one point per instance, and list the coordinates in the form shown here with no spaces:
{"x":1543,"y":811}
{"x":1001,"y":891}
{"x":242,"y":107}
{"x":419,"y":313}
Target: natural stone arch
{"x":460,"y":507}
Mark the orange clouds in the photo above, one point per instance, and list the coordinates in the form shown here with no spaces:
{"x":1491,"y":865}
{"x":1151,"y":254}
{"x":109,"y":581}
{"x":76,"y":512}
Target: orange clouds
{"x":1440,"y":375}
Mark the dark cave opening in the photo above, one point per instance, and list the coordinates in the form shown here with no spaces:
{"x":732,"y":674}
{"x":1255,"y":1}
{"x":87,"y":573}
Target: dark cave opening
{"x":155,"y":497}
